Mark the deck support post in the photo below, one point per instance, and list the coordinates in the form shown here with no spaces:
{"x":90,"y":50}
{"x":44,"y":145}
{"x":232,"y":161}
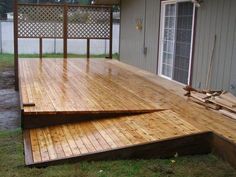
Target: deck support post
{"x":40,"y":48}
{"x":65,"y":35}
{"x":111,"y":34}
{"x":88,"y":48}
{"x":16,"y":45}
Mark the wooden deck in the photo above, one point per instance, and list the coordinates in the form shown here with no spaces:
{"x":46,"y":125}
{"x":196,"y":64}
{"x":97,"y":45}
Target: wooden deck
{"x":77,"y":87}
{"x":64,"y":90}
{"x":50,"y":144}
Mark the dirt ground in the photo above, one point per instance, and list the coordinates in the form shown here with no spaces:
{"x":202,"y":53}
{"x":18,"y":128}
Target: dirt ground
{"x":9,"y":100}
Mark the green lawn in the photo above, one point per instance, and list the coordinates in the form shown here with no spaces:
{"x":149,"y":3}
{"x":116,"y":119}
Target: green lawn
{"x":12,"y":165}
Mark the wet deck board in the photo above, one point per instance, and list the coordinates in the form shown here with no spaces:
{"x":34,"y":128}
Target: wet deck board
{"x":91,"y":137}
{"x":75,"y":86}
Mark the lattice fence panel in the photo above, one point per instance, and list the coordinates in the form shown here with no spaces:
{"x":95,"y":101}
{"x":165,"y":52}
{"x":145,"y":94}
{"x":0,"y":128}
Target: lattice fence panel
{"x":89,"y":22}
{"x":40,"y":21}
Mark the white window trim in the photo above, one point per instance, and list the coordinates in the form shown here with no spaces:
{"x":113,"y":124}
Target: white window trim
{"x":160,"y":60}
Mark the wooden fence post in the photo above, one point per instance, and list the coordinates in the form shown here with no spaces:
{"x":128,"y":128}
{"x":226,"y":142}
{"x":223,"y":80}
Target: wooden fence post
{"x":88,"y":48}
{"x":40,"y":48}
{"x":65,"y":25}
{"x":111,"y":34}
{"x":16,"y":45}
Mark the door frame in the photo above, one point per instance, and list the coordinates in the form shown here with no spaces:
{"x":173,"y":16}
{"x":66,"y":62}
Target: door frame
{"x":160,"y":43}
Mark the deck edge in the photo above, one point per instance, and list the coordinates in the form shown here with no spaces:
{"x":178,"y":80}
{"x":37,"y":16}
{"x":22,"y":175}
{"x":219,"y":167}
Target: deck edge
{"x":224,"y":148}
{"x":27,"y":148}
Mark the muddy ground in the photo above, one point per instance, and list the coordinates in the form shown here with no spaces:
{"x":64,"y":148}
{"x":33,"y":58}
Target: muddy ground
{"x":9,"y":100}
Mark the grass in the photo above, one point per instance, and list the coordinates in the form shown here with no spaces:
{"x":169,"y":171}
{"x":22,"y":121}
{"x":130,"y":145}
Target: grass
{"x":12,"y":164}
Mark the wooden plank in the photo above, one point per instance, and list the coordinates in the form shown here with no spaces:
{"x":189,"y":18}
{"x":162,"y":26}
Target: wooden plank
{"x":42,"y":145}
{"x":56,"y":142}
{"x":28,"y":148}
{"x":35,"y":146}
{"x":228,"y":113}
{"x":82,"y":148}
{"x":229,"y":97}
{"x":70,"y":140}
{"x":49,"y":143}
{"x":224,"y":149}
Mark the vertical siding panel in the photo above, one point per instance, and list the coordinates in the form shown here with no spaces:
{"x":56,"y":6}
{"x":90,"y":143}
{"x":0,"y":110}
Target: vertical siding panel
{"x":229,"y":46}
{"x":211,"y":35}
{"x":152,"y":32}
{"x":207,"y":8}
{"x":219,"y":16}
{"x":198,"y":50}
{"x":223,"y":41}
{"x":131,"y":39}
{"x":131,"y":50}
{"x":233,"y":57}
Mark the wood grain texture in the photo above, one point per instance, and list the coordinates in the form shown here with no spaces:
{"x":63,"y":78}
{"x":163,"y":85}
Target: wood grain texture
{"x":75,"y":86}
{"x":89,"y":137}
{"x":171,"y":95}
{"x":149,"y":87}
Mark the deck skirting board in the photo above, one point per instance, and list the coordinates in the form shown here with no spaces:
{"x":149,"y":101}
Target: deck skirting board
{"x":224,"y":149}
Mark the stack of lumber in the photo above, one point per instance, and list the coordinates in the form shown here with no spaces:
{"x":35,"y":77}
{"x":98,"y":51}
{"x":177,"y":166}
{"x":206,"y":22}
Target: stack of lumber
{"x":222,"y":101}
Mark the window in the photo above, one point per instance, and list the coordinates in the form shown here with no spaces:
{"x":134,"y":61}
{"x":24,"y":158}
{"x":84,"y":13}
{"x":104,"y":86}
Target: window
{"x":176,"y":40}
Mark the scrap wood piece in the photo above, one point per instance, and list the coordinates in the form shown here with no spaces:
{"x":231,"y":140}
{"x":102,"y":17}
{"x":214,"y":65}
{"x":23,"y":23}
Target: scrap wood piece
{"x":199,"y":96}
{"x":28,"y":104}
{"x":205,"y":104}
{"x":229,"y":97}
{"x":225,"y":102}
{"x":190,"y":89}
{"x":221,"y":103}
{"x":228,"y":113}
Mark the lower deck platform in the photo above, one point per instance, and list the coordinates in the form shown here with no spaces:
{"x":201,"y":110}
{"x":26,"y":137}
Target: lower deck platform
{"x":162,"y":134}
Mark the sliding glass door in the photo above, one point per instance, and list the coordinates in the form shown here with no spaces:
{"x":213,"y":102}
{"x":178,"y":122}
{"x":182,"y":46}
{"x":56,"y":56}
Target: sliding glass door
{"x":176,"y":40}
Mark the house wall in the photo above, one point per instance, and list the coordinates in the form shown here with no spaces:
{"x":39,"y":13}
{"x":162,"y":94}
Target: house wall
{"x":132,"y":40}
{"x":214,"y":17}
